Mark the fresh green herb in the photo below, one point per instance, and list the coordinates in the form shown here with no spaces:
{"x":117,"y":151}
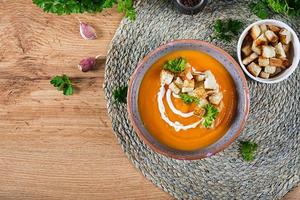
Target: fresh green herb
{"x":63,"y":83}
{"x":226,"y":29}
{"x":287,"y":7}
{"x":120,"y":94}
{"x":126,"y":7}
{"x":280,"y":6}
{"x":210,"y":115}
{"x":260,"y":9}
{"x":176,"y":65}
{"x":188,"y":99}
{"x":247,"y":150}
{"x":294,"y":8}
{"x":61,"y":7}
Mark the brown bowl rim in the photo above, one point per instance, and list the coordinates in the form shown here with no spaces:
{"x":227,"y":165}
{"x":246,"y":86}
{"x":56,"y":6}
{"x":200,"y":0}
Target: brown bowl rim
{"x":182,"y":157}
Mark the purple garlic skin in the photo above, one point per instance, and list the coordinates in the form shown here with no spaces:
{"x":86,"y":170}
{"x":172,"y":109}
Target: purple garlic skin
{"x":87,"y":32}
{"x":87,"y":64}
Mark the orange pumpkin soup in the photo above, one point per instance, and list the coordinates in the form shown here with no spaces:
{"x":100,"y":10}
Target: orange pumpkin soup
{"x":197,"y":136}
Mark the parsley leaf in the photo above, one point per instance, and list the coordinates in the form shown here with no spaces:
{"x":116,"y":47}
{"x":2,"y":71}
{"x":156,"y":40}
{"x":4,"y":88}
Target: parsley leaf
{"x":247,"y":150}
{"x":63,"y":83}
{"x":188,"y":99}
{"x":293,"y":7}
{"x":120,"y":94}
{"x":234,"y":26}
{"x":126,"y":7}
{"x":61,"y":7}
{"x":210,"y":115}
{"x":279,"y":6}
{"x":176,"y":65}
{"x":287,"y":7}
{"x":260,"y":9}
{"x":226,"y":29}
{"x":109,"y":3}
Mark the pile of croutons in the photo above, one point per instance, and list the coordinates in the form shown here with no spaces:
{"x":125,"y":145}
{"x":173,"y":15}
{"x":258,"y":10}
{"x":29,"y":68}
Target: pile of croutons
{"x":201,"y":85}
{"x":266,"y":50}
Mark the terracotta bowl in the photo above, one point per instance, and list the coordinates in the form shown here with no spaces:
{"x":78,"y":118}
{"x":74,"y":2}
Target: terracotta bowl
{"x":242,"y":102}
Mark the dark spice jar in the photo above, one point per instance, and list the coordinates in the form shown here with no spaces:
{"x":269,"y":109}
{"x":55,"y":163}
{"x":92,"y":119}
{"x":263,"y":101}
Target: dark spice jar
{"x":190,"y":7}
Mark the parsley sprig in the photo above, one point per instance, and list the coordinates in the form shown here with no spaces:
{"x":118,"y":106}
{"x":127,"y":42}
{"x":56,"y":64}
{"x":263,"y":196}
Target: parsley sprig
{"x":126,"y":7}
{"x":226,"y":29}
{"x":247,"y":150}
{"x":211,"y":113}
{"x":262,"y":8}
{"x":176,"y":65}
{"x":61,"y":7}
{"x":188,"y":99}
{"x":63,"y":83}
{"x":120,"y":94}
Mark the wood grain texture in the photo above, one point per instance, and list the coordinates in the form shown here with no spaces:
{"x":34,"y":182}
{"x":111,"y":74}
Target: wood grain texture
{"x":52,"y":146}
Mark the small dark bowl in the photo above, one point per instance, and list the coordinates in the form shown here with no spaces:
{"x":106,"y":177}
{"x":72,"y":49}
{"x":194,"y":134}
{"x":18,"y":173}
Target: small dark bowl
{"x":190,"y":10}
{"x":231,"y":66}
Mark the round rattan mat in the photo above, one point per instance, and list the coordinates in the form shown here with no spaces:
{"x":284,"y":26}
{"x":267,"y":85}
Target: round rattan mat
{"x":273,"y":123}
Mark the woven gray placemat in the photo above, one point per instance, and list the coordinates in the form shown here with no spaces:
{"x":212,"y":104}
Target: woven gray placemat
{"x":273,"y":122}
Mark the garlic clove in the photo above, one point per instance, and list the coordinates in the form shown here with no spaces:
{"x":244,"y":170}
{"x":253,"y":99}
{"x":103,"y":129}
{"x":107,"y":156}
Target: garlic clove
{"x":87,"y":64}
{"x":87,"y":32}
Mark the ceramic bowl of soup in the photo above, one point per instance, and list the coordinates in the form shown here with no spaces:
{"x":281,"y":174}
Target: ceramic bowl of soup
{"x":188,"y":99}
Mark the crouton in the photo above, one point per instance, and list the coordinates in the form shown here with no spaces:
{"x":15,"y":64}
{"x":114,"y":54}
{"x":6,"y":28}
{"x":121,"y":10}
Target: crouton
{"x":195,"y":72}
{"x":268,"y":52}
{"x":256,"y":49}
{"x":286,"y":48}
{"x":277,"y":71}
{"x":285,"y":62}
{"x":216,"y":98}
{"x":212,"y":92}
{"x":255,"y":32}
{"x":200,"y":92}
{"x":261,"y":40}
{"x":199,"y":111}
{"x":188,"y":85}
{"x":250,"y":58}
{"x":285,"y":36}
{"x":263,"y":28}
{"x":264,"y":75}
{"x":174,"y":88}
{"x":271,"y":36}
{"x":263,"y":61}
{"x":200,"y":77}
{"x":179,"y":82}
{"x":248,"y":39}
{"x":210,"y":81}
{"x":274,"y":43}
{"x":280,"y":53}
{"x":276,"y":62}
{"x":189,"y":76}
{"x":270,"y":69}
{"x":166,"y":77}
{"x":202,"y":102}
{"x":187,"y":73}
{"x":254,"y":69}
{"x":273,"y":28}
{"x":247,"y":50}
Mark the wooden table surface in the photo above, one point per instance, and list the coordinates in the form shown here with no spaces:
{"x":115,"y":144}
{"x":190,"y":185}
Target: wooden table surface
{"x":53,"y":146}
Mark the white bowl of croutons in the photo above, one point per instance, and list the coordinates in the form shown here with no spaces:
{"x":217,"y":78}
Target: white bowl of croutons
{"x":268,"y":51}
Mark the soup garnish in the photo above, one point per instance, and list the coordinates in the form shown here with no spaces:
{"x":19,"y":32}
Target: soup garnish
{"x":199,"y":89}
